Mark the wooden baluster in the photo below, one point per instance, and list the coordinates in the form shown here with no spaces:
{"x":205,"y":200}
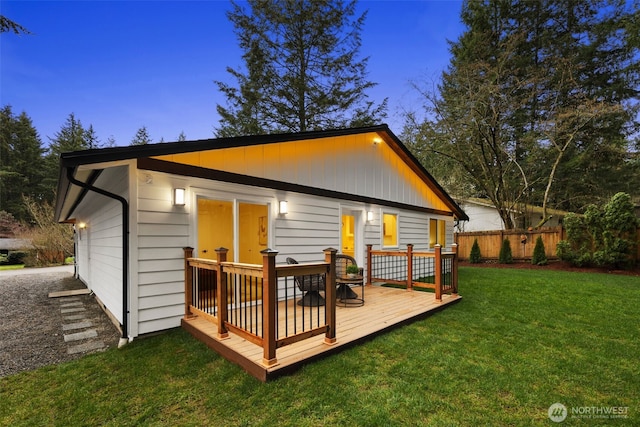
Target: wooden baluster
{"x":269,"y":301}
{"x":438,"y":280}
{"x":454,"y":269}
{"x":221,"y":290}
{"x":330,"y":295}
{"x":188,"y":280}
{"x":369,"y":264}
{"x":410,"y":267}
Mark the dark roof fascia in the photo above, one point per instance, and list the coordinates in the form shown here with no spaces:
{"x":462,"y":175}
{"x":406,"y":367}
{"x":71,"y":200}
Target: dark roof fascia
{"x":460,"y":214}
{"x":99,"y":155}
{"x":76,"y":158}
{"x":218,"y":175}
{"x":63,"y":188}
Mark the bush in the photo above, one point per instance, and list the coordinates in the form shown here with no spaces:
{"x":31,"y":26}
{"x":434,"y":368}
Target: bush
{"x":602,"y":236}
{"x":475,"y":255}
{"x":505,"y":257}
{"x":15,"y":258}
{"x":539,"y":255}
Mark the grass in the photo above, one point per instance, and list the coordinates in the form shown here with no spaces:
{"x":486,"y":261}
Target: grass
{"x":519,"y":341}
{"x":11,"y":267}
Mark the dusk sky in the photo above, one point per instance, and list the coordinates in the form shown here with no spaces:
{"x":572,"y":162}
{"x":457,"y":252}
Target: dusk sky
{"x":119,"y":65}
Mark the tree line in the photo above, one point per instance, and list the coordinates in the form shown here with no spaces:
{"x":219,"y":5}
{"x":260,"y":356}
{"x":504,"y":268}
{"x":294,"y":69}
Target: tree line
{"x":538,"y":105}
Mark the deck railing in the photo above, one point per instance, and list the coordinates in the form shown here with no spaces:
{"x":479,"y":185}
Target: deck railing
{"x":258,"y":302}
{"x":436,"y":270}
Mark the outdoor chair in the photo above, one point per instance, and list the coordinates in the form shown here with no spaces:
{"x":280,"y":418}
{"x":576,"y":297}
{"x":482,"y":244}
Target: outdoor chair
{"x":311,"y":285}
{"x":344,"y":293}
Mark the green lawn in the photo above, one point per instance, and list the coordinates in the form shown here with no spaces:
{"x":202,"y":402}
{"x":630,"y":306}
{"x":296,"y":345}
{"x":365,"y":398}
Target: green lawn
{"x":519,"y":341}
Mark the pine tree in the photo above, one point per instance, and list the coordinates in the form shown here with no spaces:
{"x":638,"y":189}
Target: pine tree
{"x":539,"y":254}
{"x":475,"y":256}
{"x":302,"y":69}
{"x":538,"y":93}
{"x":70,"y":137}
{"x":505,"y":256}
{"x":21,"y":163}
{"x":141,"y":137}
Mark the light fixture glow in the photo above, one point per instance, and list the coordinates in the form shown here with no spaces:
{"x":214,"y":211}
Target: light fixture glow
{"x":178,"y":197}
{"x":376,"y":141}
{"x":369,"y":216}
{"x":283,"y":207}
{"x":82,"y":225}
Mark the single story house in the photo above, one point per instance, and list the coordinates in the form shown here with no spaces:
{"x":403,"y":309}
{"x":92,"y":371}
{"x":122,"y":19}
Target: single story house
{"x":135,"y":208}
{"x":483,"y":216}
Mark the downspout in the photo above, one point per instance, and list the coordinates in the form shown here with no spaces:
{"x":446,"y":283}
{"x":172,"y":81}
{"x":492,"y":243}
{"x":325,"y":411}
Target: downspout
{"x":125,"y":250}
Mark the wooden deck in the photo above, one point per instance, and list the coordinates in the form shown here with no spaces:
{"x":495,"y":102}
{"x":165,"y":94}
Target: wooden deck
{"x":384,"y":309}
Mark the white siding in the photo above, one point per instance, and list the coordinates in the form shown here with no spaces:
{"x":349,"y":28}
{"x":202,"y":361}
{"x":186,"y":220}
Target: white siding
{"x":162,"y":233}
{"x":99,"y":248}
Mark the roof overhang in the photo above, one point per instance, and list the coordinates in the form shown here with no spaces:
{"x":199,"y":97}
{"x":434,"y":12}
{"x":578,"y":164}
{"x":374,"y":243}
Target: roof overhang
{"x":86,"y":165}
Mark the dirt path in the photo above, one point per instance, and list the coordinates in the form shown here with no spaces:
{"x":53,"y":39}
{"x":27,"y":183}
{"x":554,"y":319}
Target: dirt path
{"x":36,"y":330}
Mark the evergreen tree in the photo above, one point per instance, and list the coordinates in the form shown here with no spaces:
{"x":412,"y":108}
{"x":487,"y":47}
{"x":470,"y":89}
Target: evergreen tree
{"x":505,"y":256}
{"x":141,"y":137}
{"x":302,"y":69}
{"x":475,"y":256}
{"x":538,"y":103}
{"x":539,"y":254}
{"x":71,"y":137}
{"x":21,"y":163}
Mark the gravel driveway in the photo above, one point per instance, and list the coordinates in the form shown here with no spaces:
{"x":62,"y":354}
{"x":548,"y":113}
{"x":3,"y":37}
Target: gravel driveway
{"x":36,"y":330}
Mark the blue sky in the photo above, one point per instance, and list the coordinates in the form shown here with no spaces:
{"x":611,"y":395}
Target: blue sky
{"x":119,"y":65}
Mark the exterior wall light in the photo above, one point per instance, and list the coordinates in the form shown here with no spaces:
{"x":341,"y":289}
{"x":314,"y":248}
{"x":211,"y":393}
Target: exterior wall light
{"x":283,"y":207}
{"x":82,"y":225}
{"x":369,"y":216}
{"x":178,"y":197}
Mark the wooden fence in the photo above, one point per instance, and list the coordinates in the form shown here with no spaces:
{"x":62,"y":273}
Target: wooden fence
{"x":522,"y":242}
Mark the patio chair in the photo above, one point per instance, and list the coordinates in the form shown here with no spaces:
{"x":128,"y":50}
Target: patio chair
{"x":311,"y":285}
{"x":344,"y":292}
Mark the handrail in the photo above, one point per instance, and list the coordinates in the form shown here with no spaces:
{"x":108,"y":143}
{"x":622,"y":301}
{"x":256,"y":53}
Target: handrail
{"x":254,"y":315}
{"x":401,"y":268}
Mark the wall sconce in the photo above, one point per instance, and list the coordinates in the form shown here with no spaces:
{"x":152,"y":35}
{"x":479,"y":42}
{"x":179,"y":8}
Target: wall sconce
{"x":376,"y":141}
{"x":82,"y":225}
{"x":369,"y":216}
{"x":178,"y":197}
{"x":283,"y":207}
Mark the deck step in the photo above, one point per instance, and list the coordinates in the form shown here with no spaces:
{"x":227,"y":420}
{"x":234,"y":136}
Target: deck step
{"x":69,"y":293}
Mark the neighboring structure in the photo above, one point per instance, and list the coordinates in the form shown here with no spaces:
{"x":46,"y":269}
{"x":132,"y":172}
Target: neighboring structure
{"x":483,"y":216}
{"x":135,"y":209}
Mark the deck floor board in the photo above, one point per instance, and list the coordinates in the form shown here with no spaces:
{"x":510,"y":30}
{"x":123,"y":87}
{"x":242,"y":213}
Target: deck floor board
{"x":383,"y":308}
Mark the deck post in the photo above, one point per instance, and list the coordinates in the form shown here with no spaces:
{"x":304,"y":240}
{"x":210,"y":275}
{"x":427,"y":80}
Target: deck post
{"x":221,"y":290}
{"x":454,"y":269}
{"x":269,"y":302}
{"x":410,"y":267}
{"x":438,"y":277}
{"x":369,"y":265}
{"x":330,"y":295}
{"x":188,"y":280}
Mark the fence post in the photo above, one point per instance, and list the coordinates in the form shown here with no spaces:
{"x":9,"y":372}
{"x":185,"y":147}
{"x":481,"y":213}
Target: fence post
{"x":410,"y":267}
{"x":438,"y":278}
{"x":454,"y":269}
{"x":369,"y":265}
{"x":330,"y":296}
{"x":221,"y":290}
{"x":188,"y":280}
{"x":269,"y":301}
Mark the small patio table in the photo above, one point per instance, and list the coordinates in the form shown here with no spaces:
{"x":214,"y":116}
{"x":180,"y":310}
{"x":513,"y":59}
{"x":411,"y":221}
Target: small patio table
{"x":345,"y":295}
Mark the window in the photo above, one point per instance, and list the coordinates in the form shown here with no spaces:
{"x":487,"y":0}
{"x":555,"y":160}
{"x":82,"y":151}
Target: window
{"x":389,"y":230}
{"x":437,"y":232}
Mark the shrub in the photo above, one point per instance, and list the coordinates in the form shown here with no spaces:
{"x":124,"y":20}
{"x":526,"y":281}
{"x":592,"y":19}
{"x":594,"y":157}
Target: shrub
{"x":505,"y":257}
{"x":602,"y":236}
{"x":539,"y":255}
{"x":15,"y":258}
{"x":475,"y":255}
